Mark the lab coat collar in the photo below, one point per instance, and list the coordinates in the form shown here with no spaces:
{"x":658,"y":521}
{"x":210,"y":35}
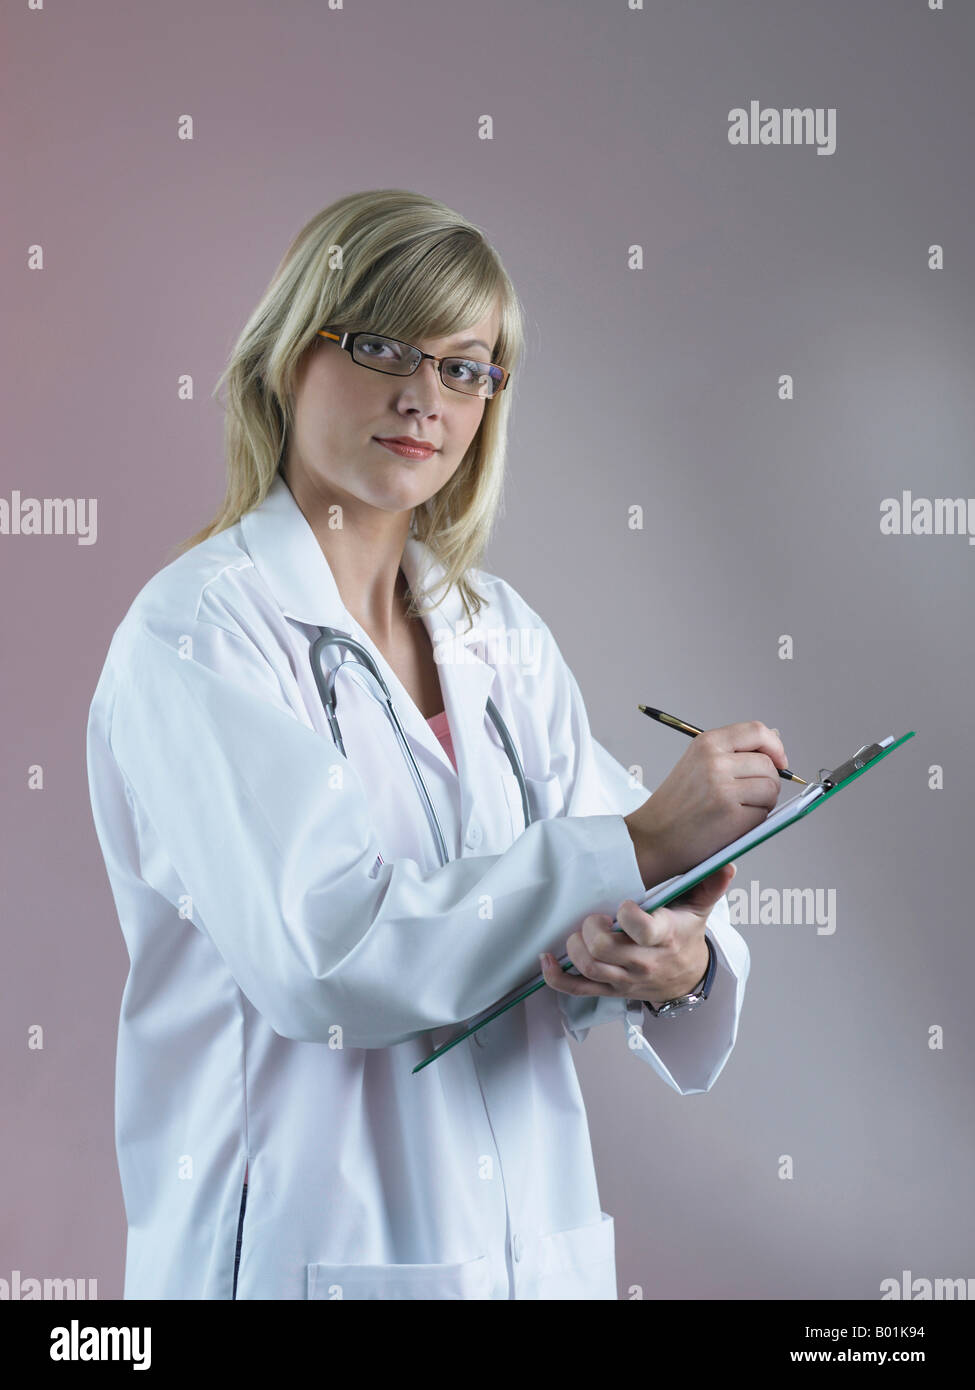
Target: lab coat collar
{"x":291,"y":562}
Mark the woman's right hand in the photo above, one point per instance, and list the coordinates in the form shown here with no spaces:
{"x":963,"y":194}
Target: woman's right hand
{"x":724,"y":785}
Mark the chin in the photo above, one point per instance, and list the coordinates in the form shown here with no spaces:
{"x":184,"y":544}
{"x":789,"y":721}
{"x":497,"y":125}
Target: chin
{"x":397,"y":499}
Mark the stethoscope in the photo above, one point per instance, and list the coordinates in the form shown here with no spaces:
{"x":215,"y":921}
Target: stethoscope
{"x":376,"y":686}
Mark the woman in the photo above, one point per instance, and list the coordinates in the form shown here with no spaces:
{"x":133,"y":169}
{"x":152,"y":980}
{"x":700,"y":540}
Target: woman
{"x":297,"y":942}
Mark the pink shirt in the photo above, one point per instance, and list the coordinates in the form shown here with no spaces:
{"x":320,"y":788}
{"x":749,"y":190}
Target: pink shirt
{"x":441,"y":728}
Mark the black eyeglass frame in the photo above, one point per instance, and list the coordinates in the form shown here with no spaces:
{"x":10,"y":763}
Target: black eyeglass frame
{"x":347,"y":341}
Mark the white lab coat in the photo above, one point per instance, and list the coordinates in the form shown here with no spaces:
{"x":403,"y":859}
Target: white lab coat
{"x":283,"y":982}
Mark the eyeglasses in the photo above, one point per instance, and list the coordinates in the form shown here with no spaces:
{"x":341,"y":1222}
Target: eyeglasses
{"x":401,"y":359}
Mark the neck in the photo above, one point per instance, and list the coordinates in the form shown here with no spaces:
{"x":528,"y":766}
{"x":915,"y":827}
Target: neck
{"x":364,"y":555}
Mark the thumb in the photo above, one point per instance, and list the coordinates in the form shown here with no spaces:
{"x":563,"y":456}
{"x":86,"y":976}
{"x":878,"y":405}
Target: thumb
{"x":705,"y":894}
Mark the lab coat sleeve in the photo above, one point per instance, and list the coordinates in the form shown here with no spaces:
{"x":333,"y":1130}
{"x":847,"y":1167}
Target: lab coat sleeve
{"x":690,"y":1050}
{"x":267,"y":829}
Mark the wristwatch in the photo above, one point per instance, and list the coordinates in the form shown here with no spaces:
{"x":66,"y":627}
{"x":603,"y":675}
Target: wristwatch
{"x":672,"y":1007}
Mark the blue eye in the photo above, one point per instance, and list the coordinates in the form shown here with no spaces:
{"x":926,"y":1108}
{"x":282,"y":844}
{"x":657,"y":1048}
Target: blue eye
{"x":470,"y":367}
{"x":367,"y":344}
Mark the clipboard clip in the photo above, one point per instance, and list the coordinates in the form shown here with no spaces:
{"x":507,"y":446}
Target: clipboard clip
{"x":860,"y":758}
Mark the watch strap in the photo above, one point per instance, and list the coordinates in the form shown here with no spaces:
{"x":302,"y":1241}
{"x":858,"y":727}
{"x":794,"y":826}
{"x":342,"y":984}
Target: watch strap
{"x":701,"y":991}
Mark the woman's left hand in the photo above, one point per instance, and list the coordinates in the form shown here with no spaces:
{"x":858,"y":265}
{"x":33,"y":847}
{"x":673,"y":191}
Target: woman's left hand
{"x":657,"y":956}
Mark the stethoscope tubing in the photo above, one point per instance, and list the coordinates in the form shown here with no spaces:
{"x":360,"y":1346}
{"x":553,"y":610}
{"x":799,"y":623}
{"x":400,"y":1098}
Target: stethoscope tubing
{"x":332,"y":637}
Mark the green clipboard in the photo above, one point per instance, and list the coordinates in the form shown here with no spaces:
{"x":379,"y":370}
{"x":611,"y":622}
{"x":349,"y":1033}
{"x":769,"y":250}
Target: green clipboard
{"x":830,"y":782}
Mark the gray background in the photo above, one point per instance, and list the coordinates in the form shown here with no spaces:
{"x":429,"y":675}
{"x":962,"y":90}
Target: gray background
{"x":655,"y":387}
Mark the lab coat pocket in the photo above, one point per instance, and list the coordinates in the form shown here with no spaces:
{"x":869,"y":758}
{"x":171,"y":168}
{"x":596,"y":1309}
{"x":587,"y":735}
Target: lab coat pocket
{"x":579,"y":1262}
{"x":469,"y":1279}
{"x":545,"y":799}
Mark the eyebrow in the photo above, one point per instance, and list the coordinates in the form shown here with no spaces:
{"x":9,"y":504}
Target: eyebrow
{"x":471,"y":342}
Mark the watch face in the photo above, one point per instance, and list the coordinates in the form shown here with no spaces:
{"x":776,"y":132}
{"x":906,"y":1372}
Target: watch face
{"x":681,"y":1006}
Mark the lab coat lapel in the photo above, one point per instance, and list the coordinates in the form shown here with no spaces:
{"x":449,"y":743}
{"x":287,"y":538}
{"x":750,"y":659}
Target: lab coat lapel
{"x":465,"y":678}
{"x":291,"y":561}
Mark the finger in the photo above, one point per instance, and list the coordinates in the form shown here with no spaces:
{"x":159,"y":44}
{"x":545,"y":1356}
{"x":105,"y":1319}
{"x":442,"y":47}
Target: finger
{"x":760,"y":792}
{"x":600,"y":937}
{"x":703,"y":896}
{"x":607,"y":955}
{"x":752,"y":736}
{"x":627,"y":949}
{"x":657,"y":928}
{"x":646,"y":928}
{"x":636,"y":926}
{"x":754,"y":765}
{"x":597,"y":941}
{"x":558,"y":979}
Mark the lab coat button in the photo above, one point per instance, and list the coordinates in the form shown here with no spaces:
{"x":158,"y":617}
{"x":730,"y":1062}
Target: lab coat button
{"x":517,"y":1247}
{"x":473,"y":834}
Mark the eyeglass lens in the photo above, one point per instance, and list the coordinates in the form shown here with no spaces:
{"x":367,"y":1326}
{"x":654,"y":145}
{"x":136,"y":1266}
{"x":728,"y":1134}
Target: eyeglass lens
{"x":459,"y":373}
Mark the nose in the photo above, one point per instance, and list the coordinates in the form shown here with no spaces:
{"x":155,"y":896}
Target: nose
{"x":425,"y":388}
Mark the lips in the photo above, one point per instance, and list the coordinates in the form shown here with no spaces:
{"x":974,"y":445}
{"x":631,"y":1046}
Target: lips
{"x":407,"y":448}
{"x":406,"y":439}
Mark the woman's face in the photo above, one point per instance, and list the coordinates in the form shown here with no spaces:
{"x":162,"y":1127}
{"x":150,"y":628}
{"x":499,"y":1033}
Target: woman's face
{"x":341,"y":408}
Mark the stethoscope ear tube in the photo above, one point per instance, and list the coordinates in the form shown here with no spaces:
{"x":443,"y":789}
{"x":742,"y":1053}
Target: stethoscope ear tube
{"x":513,"y":759}
{"x":325,"y":686}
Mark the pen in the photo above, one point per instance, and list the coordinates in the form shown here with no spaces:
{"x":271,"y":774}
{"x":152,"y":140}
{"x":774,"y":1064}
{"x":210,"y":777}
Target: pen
{"x":684,"y":728}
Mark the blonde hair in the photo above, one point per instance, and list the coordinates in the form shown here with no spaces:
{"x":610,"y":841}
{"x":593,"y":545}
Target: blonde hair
{"x":408,"y":267}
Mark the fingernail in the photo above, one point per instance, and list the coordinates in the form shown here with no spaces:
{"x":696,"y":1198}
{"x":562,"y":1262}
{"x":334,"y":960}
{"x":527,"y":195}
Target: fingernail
{"x":544,"y":959}
{"x":775,"y":731}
